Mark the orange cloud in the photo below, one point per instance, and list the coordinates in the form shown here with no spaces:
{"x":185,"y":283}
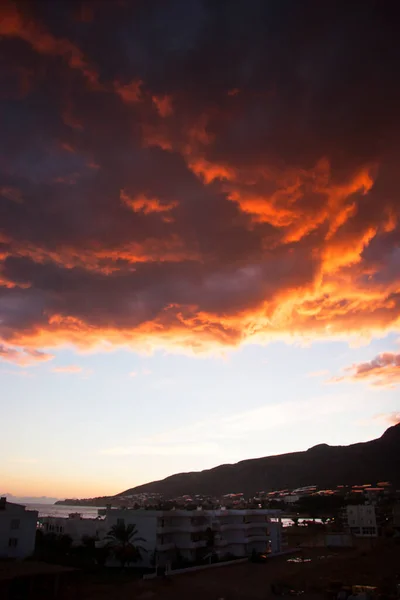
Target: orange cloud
{"x":145,"y":204}
{"x":155,"y":136}
{"x":285,"y":207}
{"x":70,"y":369}
{"x":209,"y":171}
{"x":23,"y":357}
{"x":163,"y":105}
{"x":131,"y":92}
{"x":321,"y":373}
{"x":392,"y":418}
{"x":11,"y":193}
{"x":195,"y":201}
{"x":14,"y":24}
{"x":382,"y":371}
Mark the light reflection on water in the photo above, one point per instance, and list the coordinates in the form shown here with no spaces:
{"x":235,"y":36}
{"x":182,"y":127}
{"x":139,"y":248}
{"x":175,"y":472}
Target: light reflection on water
{"x":59,"y":510}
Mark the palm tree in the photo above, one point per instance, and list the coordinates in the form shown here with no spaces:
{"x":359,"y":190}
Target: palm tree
{"x":210,"y":542}
{"x":126,"y":543}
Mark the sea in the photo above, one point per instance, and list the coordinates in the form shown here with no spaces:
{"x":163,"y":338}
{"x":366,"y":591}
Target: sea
{"x":61,"y":510}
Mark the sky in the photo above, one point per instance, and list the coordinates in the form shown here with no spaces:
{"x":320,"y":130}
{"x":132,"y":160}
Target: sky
{"x":199,"y":235}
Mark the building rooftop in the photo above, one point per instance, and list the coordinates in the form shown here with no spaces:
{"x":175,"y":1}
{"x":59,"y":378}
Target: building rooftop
{"x":194,"y":513}
{"x":16,"y":569}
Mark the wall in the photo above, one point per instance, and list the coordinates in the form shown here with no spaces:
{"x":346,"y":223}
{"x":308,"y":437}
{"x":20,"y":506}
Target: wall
{"x":396,"y":516}
{"x":361,"y":519}
{"x":167,"y":531}
{"x":25,"y":534}
{"x":75,"y":527}
{"x":146,"y":525}
{"x":291,"y":499}
{"x":275,"y":531}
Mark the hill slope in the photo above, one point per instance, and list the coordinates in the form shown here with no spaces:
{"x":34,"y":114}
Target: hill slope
{"x":323,"y":465}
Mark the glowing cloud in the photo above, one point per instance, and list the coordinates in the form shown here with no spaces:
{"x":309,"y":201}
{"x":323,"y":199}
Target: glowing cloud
{"x":321,"y":373}
{"x":142,"y":203}
{"x":157,"y":192}
{"x":24,"y":357}
{"x":392,"y":418}
{"x":69,"y":369}
{"x":384,"y":371}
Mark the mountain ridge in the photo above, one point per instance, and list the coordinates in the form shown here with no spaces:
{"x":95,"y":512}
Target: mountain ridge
{"x":29,"y":499}
{"x":322,"y":465}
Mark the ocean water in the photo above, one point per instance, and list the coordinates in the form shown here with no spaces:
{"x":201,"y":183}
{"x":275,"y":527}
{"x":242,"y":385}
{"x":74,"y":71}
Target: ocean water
{"x":59,"y":510}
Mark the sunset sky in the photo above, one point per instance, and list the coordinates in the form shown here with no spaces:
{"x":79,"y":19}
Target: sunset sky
{"x":199,"y":235}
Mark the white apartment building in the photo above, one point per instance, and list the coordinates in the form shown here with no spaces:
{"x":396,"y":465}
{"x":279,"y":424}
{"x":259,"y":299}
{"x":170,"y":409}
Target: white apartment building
{"x":74,"y":526}
{"x":361,"y":520}
{"x":291,"y":498}
{"x":186,"y":533}
{"x":17,"y":530}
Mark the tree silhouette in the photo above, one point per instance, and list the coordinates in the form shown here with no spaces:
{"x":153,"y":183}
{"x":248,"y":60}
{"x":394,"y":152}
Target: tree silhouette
{"x":126,"y":543}
{"x":52,"y":547}
{"x":210,"y":542}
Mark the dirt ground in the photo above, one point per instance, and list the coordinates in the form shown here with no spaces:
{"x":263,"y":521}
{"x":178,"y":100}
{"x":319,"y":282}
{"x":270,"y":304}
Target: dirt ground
{"x":377,"y":565}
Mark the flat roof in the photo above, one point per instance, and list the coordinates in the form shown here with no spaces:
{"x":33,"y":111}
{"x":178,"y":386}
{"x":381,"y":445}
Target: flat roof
{"x":15,"y":569}
{"x":193,"y":513}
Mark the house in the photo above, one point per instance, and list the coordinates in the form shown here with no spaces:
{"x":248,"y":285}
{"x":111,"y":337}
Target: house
{"x":361,"y":520}
{"x":374,"y":494}
{"x":17,"y":530}
{"x":192,"y":535}
{"x":291,"y":498}
{"x":74,"y":526}
{"x":396,"y":518}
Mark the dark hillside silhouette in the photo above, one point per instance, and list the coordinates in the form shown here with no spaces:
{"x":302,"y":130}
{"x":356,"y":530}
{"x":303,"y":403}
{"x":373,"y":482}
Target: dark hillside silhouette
{"x":322,"y":465}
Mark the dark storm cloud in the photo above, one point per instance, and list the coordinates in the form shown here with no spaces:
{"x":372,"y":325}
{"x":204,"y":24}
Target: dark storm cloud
{"x":197,"y":171}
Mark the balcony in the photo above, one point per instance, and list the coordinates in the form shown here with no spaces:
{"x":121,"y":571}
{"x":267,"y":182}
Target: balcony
{"x":181,"y":528}
{"x":197,"y":528}
{"x":256,"y":538}
{"x":167,"y":529}
{"x":165,"y":547}
{"x":244,"y":526}
{"x":191,"y":545}
{"x":221,"y":542}
{"x":198,"y":544}
{"x":227,"y":526}
{"x":255,"y":525}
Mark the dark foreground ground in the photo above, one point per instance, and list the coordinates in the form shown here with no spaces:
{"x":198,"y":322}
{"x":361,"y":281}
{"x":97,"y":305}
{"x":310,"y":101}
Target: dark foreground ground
{"x":378,"y":566}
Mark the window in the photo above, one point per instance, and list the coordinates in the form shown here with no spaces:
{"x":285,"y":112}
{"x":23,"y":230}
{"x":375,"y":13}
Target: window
{"x":15,"y":523}
{"x":12,"y":542}
{"x":369,"y":530}
{"x":120,"y":522}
